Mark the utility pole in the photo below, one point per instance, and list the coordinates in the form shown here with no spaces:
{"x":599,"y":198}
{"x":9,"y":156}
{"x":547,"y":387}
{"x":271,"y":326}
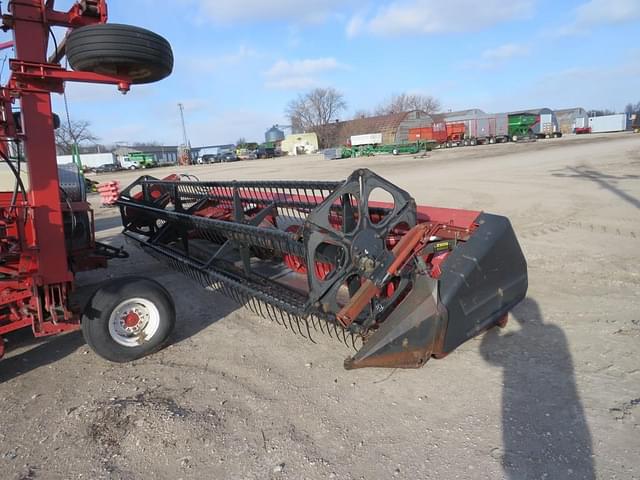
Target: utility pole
{"x":185,"y":139}
{"x":184,"y":153}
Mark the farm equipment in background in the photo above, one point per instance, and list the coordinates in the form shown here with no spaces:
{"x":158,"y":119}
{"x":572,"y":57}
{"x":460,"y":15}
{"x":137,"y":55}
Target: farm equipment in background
{"x":391,"y":149}
{"x":478,"y":131}
{"x":521,"y":126}
{"x":138,"y":160}
{"x":46,"y":225}
{"x":357,"y":260}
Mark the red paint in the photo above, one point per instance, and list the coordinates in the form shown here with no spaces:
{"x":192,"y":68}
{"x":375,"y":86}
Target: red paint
{"x":35,"y":258}
{"x":131,"y":320}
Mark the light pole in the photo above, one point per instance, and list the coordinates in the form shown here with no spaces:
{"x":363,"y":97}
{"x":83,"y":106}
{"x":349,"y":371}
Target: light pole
{"x":186,"y":147}
{"x":185,"y":139}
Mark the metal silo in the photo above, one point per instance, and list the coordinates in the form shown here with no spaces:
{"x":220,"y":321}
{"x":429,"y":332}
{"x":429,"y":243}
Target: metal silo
{"x":273,"y":135}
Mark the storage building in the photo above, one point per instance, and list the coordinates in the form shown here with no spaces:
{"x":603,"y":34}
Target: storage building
{"x":461,"y":115}
{"x":571,"y":118}
{"x":91,"y":160}
{"x":394,"y":127}
{"x":300,"y":143}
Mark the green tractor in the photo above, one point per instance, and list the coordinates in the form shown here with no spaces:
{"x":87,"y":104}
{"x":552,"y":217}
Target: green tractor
{"x":521,"y":126}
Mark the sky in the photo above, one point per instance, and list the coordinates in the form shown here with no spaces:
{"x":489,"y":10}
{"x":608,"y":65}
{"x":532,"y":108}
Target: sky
{"x":239,"y":62}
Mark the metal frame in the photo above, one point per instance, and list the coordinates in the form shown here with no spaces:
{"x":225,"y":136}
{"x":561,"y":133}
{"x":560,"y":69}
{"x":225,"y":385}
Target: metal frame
{"x":330,"y":257}
{"x":37,"y":260}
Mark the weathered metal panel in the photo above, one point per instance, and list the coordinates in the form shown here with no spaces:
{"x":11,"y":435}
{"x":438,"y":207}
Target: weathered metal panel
{"x":502,"y":125}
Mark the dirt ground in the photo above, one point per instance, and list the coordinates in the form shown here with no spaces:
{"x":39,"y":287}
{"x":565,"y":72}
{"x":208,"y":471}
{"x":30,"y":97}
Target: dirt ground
{"x":556,"y":395}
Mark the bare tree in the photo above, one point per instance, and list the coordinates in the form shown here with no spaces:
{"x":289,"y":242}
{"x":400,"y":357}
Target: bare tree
{"x":405,"y":102}
{"x":361,"y":114}
{"x":314,"y":112}
{"x":632,"y":108}
{"x":241,"y":142}
{"x":602,"y":113}
{"x":76,"y":133}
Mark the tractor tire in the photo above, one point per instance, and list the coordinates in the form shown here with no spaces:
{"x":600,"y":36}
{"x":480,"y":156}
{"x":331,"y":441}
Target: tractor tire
{"x":128,"y":318}
{"x":113,"y":49}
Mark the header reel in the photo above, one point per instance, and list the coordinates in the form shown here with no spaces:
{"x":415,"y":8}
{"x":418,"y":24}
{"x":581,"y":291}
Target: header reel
{"x":325,"y":255}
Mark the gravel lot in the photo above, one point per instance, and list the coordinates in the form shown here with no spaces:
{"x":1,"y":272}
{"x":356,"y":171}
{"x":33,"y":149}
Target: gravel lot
{"x":555,"y":395}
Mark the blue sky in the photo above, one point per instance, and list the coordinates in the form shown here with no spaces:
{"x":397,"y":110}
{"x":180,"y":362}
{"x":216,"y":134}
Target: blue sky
{"x":239,"y":62}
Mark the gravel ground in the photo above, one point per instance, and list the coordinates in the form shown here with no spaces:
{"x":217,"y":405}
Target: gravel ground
{"x":555,"y":395}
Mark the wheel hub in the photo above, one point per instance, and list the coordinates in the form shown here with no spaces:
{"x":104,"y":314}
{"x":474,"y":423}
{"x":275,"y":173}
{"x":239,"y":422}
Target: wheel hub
{"x":131,"y":319}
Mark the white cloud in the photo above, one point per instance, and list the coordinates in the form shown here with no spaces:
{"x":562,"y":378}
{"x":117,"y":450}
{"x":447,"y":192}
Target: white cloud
{"x":492,"y":58}
{"x":600,"y":12}
{"x":355,"y":25}
{"x":210,"y":64}
{"x":299,"y":74}
{"x":505,"y":52}
{"x":605,"y":86}
{"x":410,"y":17}
{"x":596,"y":12}
{"x":221,"y":11}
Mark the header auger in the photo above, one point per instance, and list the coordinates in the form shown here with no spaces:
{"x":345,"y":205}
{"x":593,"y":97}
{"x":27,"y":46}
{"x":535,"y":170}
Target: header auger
{"x":398,"y":282}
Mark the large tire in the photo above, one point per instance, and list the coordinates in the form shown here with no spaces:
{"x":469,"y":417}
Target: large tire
{"x":114,"y":49}
{"x":109,"y":321}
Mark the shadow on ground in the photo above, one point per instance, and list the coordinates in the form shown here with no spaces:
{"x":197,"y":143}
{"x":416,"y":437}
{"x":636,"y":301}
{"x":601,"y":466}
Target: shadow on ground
{"x":106,"y":223}
{"x":44,"y":352}
{"x":544,"y":428}
{"x":211,"y":307}
{"x":606,"y":181}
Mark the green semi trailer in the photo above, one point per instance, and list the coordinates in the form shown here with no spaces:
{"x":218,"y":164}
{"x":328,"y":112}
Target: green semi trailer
{"x":521,"y":126}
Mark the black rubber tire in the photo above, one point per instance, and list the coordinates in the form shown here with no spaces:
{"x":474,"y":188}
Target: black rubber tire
{"x":95,"y":320}
{"x":115,"y":49}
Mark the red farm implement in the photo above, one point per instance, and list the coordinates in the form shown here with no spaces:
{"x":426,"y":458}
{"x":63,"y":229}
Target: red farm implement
{"x":443,"y":133}
{"x":46,"y":224}
{"x":357,"y":259}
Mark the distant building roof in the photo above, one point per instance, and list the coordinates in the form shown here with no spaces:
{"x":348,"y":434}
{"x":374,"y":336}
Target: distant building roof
{"x":535,"y":111}
{"x":388,"y":125}
{"x":469,"y":111}
{"x":564,"y":111}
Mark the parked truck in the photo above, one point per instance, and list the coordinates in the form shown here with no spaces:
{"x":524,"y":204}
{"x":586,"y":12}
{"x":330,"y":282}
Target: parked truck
{"x":137,"y":160}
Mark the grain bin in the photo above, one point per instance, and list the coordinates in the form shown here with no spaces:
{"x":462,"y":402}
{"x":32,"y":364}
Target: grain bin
{"x":274,"y":135}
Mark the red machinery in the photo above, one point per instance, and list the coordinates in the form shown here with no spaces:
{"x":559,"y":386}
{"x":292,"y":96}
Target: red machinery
{"x":408,"y":282}
{"x":46,"y":225}
{"x":445,"y":133}
{"x":357,"y":259}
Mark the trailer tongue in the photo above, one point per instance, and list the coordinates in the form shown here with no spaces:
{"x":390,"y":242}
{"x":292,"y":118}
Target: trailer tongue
{"x":398,"y":282}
